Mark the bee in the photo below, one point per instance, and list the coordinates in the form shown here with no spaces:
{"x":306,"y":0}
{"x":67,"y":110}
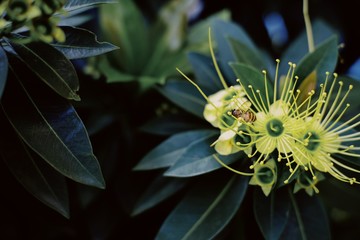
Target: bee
{"x":247,"y":115}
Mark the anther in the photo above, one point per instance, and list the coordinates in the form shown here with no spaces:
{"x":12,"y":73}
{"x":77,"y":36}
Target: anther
{"x":335,"y":75}
{"x":277,"y":60}
{"x":351,"y":87}
{"x":263,"y":71}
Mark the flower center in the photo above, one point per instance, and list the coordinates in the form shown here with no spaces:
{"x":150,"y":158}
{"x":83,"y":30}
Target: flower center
{"x":305,"y":180}
{"x":275,"y":127}
{"x":265,"y":175}
{"x":243,"y":139}
{"x":227,"y":121}
{"x":313,"y":141}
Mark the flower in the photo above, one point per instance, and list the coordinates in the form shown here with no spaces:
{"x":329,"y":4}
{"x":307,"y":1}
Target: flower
{"x":277,"y":124}
{"x":265,"y":176}
{"x":305,"y":181}
{"x":325,"y":137}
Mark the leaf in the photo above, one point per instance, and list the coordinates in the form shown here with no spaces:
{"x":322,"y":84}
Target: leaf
{"x":299,"y":47}
{"x":170,"y":124}
{"x":307,"y":219}
{"x":308,"y":84}
{"x":206,"y":210}
{"x":222,"y":31}
{"x":72,"y":5}
{"x":198,"y":159}
{"x":49,"y":125}
{"x":271,"y":212}
{"x":81,"y":43}
{"x":169,"y":151}
{"x":184,"y":95}
{"x":39,"y":179}
{"x":124,"y":25}
{"x":3,"y":70}
{"x":244,"y":54}
{"x":323,"y":59}
{"x":250,"y":76}
{"x":205,"y":72}
{"x":51,"y":66}
{"x":159,"y":190}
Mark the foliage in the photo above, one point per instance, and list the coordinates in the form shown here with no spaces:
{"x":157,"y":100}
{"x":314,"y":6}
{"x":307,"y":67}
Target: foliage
{"x":145,"y":43}
{"x":43,"y":139}
{"x":281,"y":212}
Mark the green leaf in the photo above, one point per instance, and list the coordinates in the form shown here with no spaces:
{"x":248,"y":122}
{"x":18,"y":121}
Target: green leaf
{"x":170,"y":124}
{"x":159,"y":190}
{"x":37,"y":177}
{"x":350,"y":195}
{"x":81,"y":43}
{"x":72,"y":5}
{"x":185,"y":95}
{"x":124,"y":25}
{"x":171,"y":150}
{"x":113,"y":74}
{"x":198,"y":159}
{"x":51,"y":66}
{"x":49,"y":125}
{"x":222,"y":30}
{"x":299,"y":47}
{"x":307,"y":219}
{"x":250,"y":76}
{"x":198,"y":33}
{"x":322,"y":60}
{"x":205,"y":72}
{"x":3,"y":70}
{"x":206,"y":210}
{"x":271,"y":212}
{"x":245,"y":54}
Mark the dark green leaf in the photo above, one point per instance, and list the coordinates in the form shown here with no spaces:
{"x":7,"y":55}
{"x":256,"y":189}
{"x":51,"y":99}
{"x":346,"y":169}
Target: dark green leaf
{"x":123,"y":25}
{"x":37,"y":177}
{"x":245,"y":54}
{"x":222,"y":30}
{"x":3,"y":70}
{"x":171,"y":124}
{"x":307,"y":219}
{"x":251,"y":76}
{"x":51,"y":66}
{"x":72,"y":5}
{"x":205,"y":210}
{"x":322,"y":60}
{"x":81,"y":43}
{"x":299,"y":48}
{"x":185,"y":95}
{"x":198,"y":159}
{"x":159,"y":190}
{"x":169,"y":152}
{"x":205,"y":72}
{"x":350,"y":195}
{"x":271,"y":212}
{"x":49,"y":125}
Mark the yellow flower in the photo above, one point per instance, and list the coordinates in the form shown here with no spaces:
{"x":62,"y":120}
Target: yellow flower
{"x":277,"y":124}
{"x":265,"y":176}
{"x":325,"y":136}
{"x":307,"y":182}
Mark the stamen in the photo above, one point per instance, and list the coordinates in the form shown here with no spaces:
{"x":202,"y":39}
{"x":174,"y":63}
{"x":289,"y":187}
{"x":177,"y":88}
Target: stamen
{"x":276,"y":78}
{"x":215,"y":62}
{"x":230,"y":168}
{"x":266,"y":90}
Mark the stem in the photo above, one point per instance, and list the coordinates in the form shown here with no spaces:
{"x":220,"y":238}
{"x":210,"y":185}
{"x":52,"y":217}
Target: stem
{"x":308,"y":27}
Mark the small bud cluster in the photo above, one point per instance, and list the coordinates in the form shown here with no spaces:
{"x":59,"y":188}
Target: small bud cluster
{"x":37,"y":16}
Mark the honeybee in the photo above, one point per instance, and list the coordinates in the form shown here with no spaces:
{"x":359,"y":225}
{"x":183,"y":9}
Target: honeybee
{"x":247,"y":115}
